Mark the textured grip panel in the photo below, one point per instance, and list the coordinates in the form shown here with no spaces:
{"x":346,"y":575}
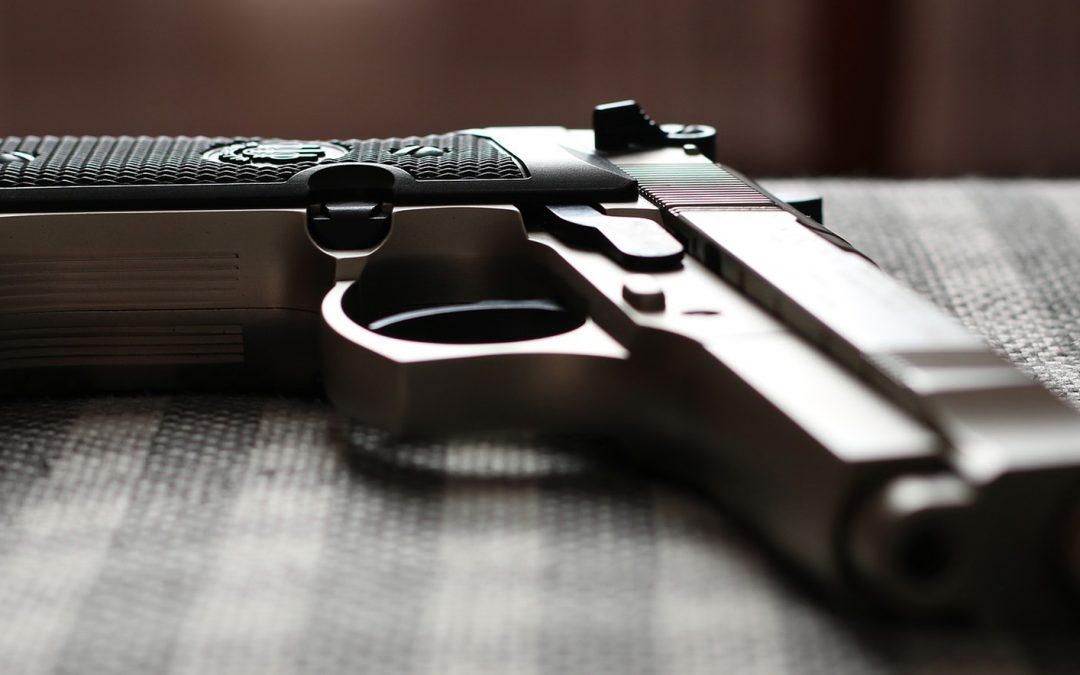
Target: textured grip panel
{"x":144,"y":160}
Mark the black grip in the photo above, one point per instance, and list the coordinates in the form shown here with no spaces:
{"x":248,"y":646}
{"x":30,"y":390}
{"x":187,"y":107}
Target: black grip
{"x":131,"y":172}
{"x":181,"y":160}
{"x":127,"y":170}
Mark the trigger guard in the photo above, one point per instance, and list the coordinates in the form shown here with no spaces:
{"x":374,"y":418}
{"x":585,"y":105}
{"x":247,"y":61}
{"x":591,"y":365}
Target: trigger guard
{"x":567,"y":382}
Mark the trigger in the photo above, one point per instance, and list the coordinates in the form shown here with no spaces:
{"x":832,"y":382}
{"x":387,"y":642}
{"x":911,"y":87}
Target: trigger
{"x":635,"y":244}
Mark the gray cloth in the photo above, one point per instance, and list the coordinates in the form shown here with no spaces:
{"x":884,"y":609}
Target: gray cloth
{"x":237,"y":535}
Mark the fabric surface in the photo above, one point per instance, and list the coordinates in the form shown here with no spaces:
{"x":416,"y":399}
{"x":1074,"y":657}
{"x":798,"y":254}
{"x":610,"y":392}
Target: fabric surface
{"x":202,"y":534}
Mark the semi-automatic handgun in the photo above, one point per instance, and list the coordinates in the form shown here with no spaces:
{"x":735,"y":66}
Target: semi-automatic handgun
{"x":614,"y":281}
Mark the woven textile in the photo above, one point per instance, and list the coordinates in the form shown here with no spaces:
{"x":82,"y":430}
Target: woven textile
{"x":261,"y":535}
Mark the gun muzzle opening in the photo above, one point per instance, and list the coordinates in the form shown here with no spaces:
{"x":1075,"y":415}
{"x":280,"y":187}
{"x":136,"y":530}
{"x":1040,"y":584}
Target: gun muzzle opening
{"x":925,"y":554}
{"x":908,"y":542}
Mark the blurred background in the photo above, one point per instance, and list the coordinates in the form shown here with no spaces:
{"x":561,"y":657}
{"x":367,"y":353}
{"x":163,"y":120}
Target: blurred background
{"x":795,"y":87}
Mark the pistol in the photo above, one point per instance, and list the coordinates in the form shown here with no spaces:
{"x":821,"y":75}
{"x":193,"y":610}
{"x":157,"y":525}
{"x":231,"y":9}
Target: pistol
{"x":614,"y":281}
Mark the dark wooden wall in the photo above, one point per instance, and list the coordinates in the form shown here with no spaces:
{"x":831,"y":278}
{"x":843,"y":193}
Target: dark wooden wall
{"x":892,"y":87}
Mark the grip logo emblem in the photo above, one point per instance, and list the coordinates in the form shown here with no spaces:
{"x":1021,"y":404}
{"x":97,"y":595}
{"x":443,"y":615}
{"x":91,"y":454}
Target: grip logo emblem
{"x":277,"y":152}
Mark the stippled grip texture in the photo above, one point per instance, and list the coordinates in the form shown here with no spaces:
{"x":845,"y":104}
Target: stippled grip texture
{"x":47,"y":161}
